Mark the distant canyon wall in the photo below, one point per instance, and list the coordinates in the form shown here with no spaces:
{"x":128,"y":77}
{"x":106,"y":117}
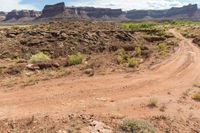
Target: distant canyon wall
{"x":22,"y":15}
{"x":60,"y":11}
{"x":183,"y":12}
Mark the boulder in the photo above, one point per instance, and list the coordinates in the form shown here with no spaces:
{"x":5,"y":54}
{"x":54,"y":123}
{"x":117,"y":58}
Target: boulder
{"x":89,"y":72}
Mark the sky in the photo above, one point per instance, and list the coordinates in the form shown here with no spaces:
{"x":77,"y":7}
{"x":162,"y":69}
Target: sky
{"x":8,"y":5}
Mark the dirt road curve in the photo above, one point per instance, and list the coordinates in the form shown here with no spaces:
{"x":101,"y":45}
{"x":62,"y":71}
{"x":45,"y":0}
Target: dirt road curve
{"x":120,"y":94}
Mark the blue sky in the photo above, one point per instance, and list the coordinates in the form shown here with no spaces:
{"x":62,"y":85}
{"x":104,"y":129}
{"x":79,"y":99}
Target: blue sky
{"x":7,"y":5}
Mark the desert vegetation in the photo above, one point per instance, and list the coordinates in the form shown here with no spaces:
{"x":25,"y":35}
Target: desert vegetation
{"x":39,"y":58}
{"x":55,"y":45}
{"x":196,"y":96}
{"x":75,"y":59}
{"x":138,"y":25}
{"x":107,"y":70}
{"x":137,"y":126}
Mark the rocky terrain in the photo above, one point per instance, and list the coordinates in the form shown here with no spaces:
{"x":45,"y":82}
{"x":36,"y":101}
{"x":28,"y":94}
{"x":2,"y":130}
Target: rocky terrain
{"x":61,"y":12}
{"x":107,"y":77}
{"x":96,"y":40}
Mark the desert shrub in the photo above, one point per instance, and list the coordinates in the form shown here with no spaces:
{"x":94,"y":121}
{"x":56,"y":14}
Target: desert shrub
{"x":137,"y":126}
{"x":153,"y":102}
{"x":138,"y":51}
{"x":132,"y":62}
{"x":120,"y":59}
{"x":196,"y":96}
{"x":15,"y":27}
{"x":63,"y":72}
{"x":2,"y":66}
{"x":137,"y":25}
{"x":121,"y":54}
{"x":76,"y":59}
{"x":39,"y":58}
{"x":188,"y":35}
{"x":183,"y":22}
{"x":162,"y":47}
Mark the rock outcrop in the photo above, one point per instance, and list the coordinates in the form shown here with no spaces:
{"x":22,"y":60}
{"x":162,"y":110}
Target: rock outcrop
{"x":60,"y":11}
{"x":2,"y":16}
{"x":184,"y":12}
{"x":95,"y":12}
{"x":22,"y":15}
{"x":53,"y":10}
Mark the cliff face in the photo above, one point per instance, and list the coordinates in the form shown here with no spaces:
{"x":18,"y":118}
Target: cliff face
{"x":189,"y":10}
{"x":53,"y":10}
{"x":96,"y":12}
{"x":16,"y":15}
{"x":2,"y":16}
{"x":182,"y":12}
{"x":59,"y":10}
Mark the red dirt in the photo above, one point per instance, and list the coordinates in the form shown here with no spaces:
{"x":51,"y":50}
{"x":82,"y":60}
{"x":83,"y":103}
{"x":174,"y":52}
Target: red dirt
{"x":118,"y":94}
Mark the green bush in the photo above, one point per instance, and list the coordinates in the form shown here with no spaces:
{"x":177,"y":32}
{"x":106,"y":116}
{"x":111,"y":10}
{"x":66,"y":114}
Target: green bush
{"x":15,"y":27}
{"x":196,"y":96}
{"x":132,"y":62}
{"x":137,"y":126}
{"x":138,"y":25}
{"x":162,"y":47}
{"x":39,"y":58}
{"x":183,"y":22}
{"x":138,"y":51}
{"x":75,"y":59}
{"x":121,"y":54}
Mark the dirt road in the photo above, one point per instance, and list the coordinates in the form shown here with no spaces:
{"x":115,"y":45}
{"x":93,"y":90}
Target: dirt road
{"x":120,"y":94}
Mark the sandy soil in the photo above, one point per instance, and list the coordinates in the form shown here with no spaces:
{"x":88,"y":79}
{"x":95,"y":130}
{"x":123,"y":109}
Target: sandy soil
{"x":127,"y":94}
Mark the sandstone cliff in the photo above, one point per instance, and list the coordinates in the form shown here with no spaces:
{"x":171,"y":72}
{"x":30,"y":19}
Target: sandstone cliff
{"x":184,"y":12}
{"x":23,"y":15}
{"x":53,"y":10}
{"x":60,"y":11}
{"x":2,"y":16}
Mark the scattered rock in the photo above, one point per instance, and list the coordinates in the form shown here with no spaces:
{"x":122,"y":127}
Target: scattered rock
{"x":13,"y":71}
{"x":89,"y":72}
{"x":197,"y":41}
{"x":32,"y":67}
{"x":62,"y":131}
{"x":99,"y":127}
{"x":154,"y":38}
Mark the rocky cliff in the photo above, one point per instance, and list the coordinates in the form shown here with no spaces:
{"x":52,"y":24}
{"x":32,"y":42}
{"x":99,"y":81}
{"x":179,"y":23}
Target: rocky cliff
{"x":53,"y":10}
{"x":2,"y":16}
{"x":95,"y":12}
{"x":22,"y":15}
{"x":181,"y":12}
{"x":59,"y":10}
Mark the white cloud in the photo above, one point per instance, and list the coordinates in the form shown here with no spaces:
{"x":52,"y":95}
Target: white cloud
{"x":131,"y":4}
{"x":8,"y":5}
